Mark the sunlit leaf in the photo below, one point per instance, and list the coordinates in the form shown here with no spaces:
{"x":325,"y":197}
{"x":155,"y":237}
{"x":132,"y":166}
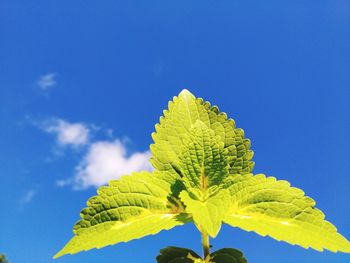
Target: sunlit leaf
{"x":132,"y":207}
{"x":274,"y":208}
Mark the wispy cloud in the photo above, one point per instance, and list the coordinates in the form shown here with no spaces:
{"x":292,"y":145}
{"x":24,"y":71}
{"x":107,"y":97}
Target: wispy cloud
{"x":105,"y":161}
{"x":158,"y":67}
{"x":27,"y":197}
{"x":67,"y":133}
{"x":47,"y":81}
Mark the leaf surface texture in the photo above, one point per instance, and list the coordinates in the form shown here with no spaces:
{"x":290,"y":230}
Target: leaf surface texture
{"x":274,"y":208}
{"x":126,"y":209}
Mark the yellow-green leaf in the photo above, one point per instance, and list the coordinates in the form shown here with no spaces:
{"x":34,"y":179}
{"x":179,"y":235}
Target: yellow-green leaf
{"x":203,"y":161}
{"x":133,"y":207}
{"x":182,"y":114}
{"x":274,"y":208}
{"x":207,"y":212}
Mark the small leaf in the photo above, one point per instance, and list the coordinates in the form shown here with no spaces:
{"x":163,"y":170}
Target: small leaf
{"x":273,"y":208}
{"x":207,"y":213}
{"x":203,"y":162}
{"x":178,"y":255}
{"x":228,"y":255}
{"x":133,"y":207}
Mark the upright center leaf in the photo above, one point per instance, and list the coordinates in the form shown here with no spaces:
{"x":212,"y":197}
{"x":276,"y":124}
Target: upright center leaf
{"x":204,"y":165}
{"x":203,"y":158}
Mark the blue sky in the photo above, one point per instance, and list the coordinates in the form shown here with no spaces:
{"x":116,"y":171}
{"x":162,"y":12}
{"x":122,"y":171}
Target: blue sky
{"x":85,"y":79}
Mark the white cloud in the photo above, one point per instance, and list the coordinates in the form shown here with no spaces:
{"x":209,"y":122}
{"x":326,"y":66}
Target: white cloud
{"x":47,"y":81}
{"x":74,"y":134}
{"x":105,"y":161}
{"x":102,"y":161}
{"x":27,"y":197}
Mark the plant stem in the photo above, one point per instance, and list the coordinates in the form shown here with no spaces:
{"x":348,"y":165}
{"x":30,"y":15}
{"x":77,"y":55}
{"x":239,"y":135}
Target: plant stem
{"x":205,"y":244}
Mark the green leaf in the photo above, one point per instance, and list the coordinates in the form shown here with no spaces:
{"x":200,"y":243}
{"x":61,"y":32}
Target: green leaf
{"x":133,"y":207}
{"x":228,"y":255}
{"x":203,"y":162}
{"x":207,"y":212}
{"x":182,"y":114}
{"x":273,"y":208}
{"x":203,"y":167}
{"x":178,"y":255}
{"x":185,"y":255}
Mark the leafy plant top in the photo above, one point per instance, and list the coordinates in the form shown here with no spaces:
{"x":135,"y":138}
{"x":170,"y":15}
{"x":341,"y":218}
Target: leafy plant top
{"x":202,"y":174}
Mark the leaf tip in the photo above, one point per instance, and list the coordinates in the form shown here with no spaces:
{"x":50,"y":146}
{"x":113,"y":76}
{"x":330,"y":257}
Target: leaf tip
{"x":58,"y":254}
{"x":62,"y":252}
{"x":186,"y":94}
